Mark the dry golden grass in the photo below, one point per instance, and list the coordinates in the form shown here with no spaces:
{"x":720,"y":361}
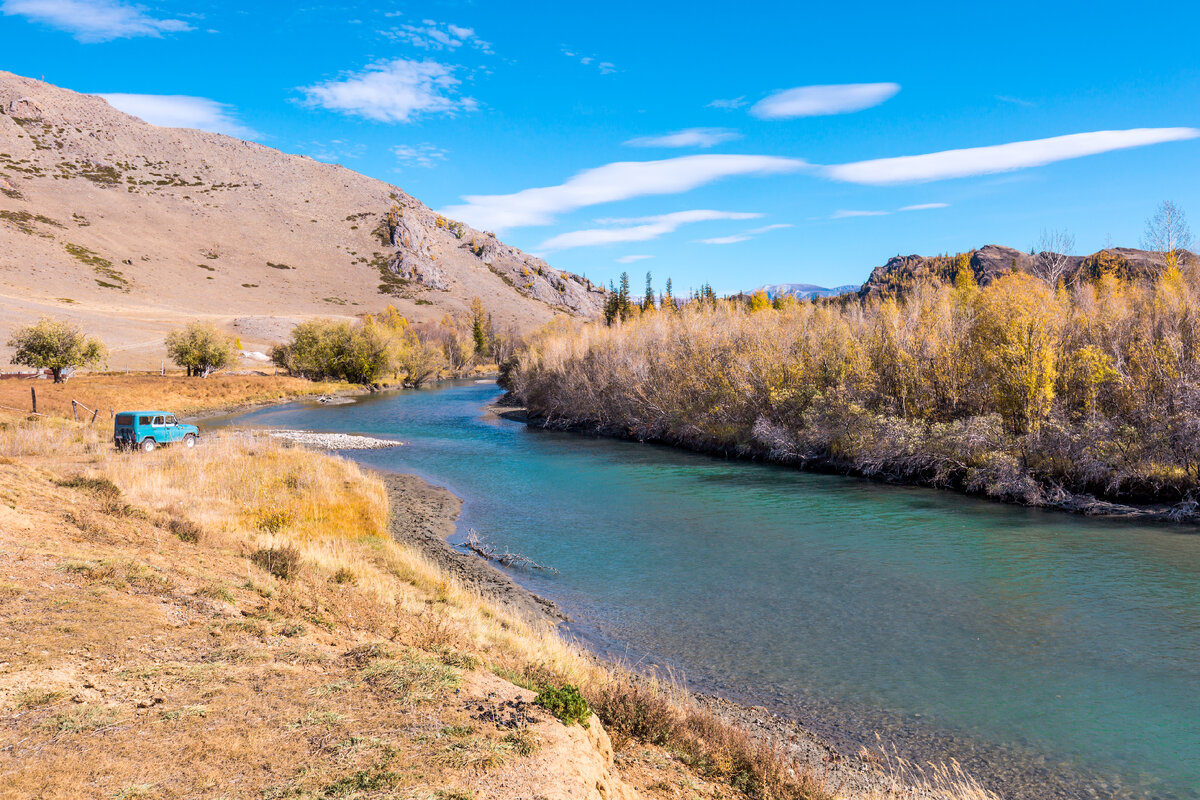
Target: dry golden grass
{"x":116,"y":392}
{"x":143,"y":635}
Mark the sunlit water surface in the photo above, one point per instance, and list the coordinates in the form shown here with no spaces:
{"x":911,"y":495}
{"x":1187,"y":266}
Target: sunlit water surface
{"x":1053,"y":655}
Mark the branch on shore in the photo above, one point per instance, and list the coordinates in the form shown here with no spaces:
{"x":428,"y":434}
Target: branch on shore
{"x":508,"y":559}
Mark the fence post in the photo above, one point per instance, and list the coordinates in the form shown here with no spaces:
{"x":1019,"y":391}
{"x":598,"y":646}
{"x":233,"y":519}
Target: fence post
{"x":33,"y":395}
{"x":74,"y":412}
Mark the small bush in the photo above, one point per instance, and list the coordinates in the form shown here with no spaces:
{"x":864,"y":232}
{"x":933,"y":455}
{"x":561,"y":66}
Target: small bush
{"x":344,"y":575}
{"x":216,"y":591}
{"x":274,"y":520}
{"x":631,"y":710}
{"x":523,"y":741}
{"x":565,"y":702}
{"x":292,"y":629}
{"x":185,"y":530}
{"x":282,"y":562}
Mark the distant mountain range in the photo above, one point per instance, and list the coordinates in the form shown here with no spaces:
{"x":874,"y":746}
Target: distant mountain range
{"x":987,"y":263}
{"x":803,"y":291}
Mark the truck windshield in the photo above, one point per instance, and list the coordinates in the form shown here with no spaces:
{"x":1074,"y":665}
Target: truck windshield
{"x":171,"y":420}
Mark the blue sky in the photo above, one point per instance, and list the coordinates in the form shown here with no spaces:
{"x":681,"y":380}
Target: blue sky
{"x":738,"y":145}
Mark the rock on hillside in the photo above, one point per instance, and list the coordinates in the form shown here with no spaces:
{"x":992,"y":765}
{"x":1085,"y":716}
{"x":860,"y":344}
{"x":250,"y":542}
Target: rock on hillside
{"x":131,"y":229}
{"x":991,"y":261}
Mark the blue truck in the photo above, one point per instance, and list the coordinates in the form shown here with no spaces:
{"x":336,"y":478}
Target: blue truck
{"x":146,"y":430}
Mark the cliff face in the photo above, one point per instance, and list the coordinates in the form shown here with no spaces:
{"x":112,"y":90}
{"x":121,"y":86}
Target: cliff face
{"x":130,"y":229}
{"x":992,"y":261}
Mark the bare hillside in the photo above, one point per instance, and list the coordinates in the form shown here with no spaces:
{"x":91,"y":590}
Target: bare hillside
{"x":132,"y":229}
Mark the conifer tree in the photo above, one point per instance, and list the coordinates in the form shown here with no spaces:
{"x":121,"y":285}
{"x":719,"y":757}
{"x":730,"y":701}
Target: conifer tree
{"x":648,"y":298}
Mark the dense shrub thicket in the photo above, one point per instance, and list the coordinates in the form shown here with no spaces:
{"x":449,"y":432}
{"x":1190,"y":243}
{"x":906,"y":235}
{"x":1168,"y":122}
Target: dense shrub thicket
{"x":1020,"y":390}
{"x":386,"y":345}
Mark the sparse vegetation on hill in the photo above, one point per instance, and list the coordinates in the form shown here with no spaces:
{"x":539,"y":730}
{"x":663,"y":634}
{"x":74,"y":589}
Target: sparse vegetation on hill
{"x":1018,"y":389}
{"x":127,"y":218}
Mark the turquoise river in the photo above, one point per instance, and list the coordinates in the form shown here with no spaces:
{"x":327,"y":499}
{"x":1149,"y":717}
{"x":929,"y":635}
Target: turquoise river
{"x":1052,"y":655}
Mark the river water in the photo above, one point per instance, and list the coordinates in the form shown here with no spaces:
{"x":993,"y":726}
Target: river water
{"x":1054,"y":656}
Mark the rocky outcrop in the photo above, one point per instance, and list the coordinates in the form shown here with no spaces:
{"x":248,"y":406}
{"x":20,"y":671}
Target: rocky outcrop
{"x":992,"y":261}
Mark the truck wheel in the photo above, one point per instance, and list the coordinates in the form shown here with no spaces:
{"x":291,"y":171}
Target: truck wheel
{"x":189,"y":440}
{"x":148,"y":445}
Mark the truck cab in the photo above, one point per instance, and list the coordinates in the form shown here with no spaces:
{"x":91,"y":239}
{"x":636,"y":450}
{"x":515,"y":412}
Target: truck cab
{"x":146,"y":430}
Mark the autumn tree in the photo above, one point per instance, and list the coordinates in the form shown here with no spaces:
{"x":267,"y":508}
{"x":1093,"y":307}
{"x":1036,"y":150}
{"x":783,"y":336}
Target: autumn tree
{"x":1053,"y":257}
{"x":55,"y":345}
{"x":479,"y":327}
{"x":200,"y":349}
{"x":1168,"y":233}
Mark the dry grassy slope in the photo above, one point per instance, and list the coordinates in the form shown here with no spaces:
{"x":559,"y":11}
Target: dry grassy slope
{"x":137,"y":662}
{"x":183,"y":224}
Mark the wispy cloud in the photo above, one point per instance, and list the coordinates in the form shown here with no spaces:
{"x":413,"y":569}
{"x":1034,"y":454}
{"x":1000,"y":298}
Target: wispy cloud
{"x":620,"y":180}
{"x":432,"y":35}
{"x":98,"y":21}
{"x":737,"y":237}
{"x":605,"y":67}
{"x":847,"y":214}
{"x":728,"y":104}
{"x":745,"y":237}
{"x":632,"y":259}
{"x":420,"y":155}
{"x":844,"y":213}
{"x":691,"y":137}
{"x":818,"y":101}
{"x":1016,"y":101}
{"x":182,"y":111}
{"x":1001,"y":157}
{"x":638,"y":229}
{"x":393,"y":91}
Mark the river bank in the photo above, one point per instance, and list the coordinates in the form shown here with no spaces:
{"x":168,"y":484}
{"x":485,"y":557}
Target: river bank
{"x":1051,"y":497}
{"x":423,"y":516}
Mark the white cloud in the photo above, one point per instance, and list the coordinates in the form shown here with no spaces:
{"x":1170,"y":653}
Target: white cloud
{"x":728,"y":104}
{"x":1001,"y":157}
{"x":631,"y":259}
{"x":432,"y":35}
{"x":691,"y":137}
{"x":745,"y":237}
{"x":181,"y":111}
{"x":843,"y":213}
{"x":393,"y":91}
{"x":818,"y":101}
{"x":638,"y":229}
{"x":737,"y":237}
{"x":605,"y":67}
{"x":620,"y":180}
{"x":99,"y":21}
{"x":421,"y":155}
